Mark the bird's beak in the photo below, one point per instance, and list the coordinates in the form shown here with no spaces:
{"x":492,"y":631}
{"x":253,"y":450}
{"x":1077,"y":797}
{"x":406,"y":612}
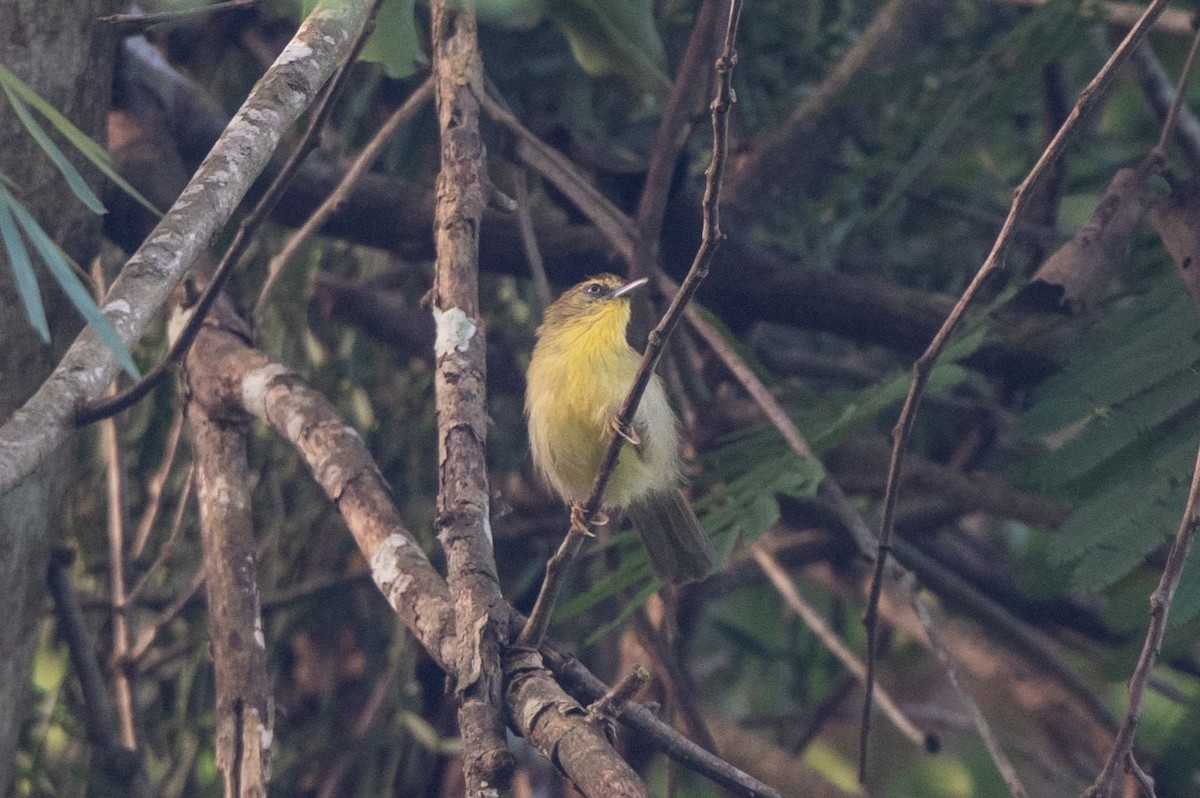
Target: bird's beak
{"x":628,"y":288}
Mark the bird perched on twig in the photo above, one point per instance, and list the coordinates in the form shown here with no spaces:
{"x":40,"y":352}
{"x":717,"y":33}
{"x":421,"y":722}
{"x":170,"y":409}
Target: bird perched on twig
{"x":580,"y":372}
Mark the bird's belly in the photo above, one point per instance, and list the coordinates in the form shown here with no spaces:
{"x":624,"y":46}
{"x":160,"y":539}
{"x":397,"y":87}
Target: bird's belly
{"x":573,"y":437}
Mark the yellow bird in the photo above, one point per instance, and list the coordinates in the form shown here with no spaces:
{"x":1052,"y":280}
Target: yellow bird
{"x":580,"y":372}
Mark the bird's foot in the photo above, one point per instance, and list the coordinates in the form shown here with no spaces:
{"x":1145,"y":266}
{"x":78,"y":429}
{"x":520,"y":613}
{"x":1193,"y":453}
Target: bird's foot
{"x":580,"y":523}
{"x":628,"y":433}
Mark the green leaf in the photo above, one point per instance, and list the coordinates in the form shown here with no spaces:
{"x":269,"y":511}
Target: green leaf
{"x":77,"y":138}
{"x":56,"y":262}
{"x":1136,"y":346}
{"x":79,"y":186}
{"x":394,"y":44}
{"x":1186,"y":604}
{"x":614,"y":37}
{"x":22,"y":268}
{"x":1105,"y":432}
{"x":633,"y":570}
{"x":873,"y":401}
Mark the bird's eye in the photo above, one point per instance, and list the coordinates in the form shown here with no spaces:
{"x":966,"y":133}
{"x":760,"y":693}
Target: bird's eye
{"x":593,"y":289}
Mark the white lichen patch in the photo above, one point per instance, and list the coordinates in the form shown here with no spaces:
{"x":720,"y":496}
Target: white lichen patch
{"x":487,"y":529}
{"x":455,"y":329}
{"x":261,"y":639}
{"x":254,"y":388}
{"x":265,"y":737}
{"x":385,"y":568}
{"x":118,"y":306}
{"x":295,"y":51}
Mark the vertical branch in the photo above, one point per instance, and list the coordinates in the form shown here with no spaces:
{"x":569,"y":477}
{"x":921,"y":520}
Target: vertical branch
{"x":462,"y":517}
{"x":1089,"y":97}
{"x":244,"y":714}
{"x":122,"y":632}
{"x":120,"y":763}
{"x":121,"y":629}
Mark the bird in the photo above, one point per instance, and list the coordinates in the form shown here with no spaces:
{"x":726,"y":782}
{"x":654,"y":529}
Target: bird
{"x":579,"y":375}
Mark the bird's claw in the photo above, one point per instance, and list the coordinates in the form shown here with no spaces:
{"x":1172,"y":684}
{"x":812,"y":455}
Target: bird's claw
{"x":580,"y":523}
{"x":628,"y":433}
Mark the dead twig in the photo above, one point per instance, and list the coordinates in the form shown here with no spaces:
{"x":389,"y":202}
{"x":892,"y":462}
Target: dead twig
{"x":337,"y":198}
{"x":791,"y":596}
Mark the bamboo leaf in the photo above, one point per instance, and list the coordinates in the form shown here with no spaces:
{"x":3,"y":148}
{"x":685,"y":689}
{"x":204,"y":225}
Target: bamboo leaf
{"x":22,"y":268}
{"x":79,"y":186}
{"x":76,"y":137}
{"x":61,"y":271}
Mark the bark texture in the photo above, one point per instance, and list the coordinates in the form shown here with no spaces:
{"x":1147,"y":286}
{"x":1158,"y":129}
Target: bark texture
{"x":54,"y":46}
{"x":460,"y":387}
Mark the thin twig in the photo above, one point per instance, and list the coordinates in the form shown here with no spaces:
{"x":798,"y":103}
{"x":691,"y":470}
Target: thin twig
{"x":350,"y":753}
{"x":1015,"y":787}
{"x":1160,"y":606}
{"x":539,"y":618}
{"x":1159,"y":91}
{"x":121,"y":628}
{"x":608,"y":707}
{"x":617,"y":227}
{"x":341,"y":193}
{"x":1185,"y":77}
{"x":129,"y":22}
{"x":94,"y":411}
{"x":1088,"y":98}
{"x":168,"y":546}
{"x":791,"y":595}
{"x":114,"y":483}
{"x":155,"y":485}
{"x":149,"y":635}
{"x":678,"y":681}
{"x":529,"y":242}
{"x":673,"y":129}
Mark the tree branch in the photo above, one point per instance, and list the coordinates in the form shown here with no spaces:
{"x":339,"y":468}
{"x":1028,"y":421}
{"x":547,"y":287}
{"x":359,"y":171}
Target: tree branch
{"x":283,"y":93}
{"x":245,"y":717}
{"x":460,"y":392}
{"x":1088,"y":98}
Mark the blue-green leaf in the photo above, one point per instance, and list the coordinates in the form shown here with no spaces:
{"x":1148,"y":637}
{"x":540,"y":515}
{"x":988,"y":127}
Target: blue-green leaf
{"x":22,"y":268}
{"x":79,"y":186}
{"x":77,"y":138}
{"x":56,"y":262}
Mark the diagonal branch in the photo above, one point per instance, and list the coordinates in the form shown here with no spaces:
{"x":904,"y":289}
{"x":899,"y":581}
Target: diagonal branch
{"x":1088,"y":99}
{"x":342,"y":466}
{"x":539,"y":618}
{"x":213,"y":193}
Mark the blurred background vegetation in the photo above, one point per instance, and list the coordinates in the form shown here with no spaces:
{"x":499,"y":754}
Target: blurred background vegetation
{"x":1051,"y":461}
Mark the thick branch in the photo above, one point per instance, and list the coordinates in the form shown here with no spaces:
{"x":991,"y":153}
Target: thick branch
{"x":213,"y":193}
{"x":244,"y":710}
{"x":460,"y":391}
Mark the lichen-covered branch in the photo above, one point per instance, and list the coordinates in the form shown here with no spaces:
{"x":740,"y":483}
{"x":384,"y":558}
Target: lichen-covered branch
{"x":460,"y":387}
{"x":244,"y":708}
{"x":210,"y":198}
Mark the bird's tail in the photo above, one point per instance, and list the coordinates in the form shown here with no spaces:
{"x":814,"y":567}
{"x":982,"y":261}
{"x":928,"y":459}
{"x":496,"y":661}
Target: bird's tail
{"x":679,"y":550}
